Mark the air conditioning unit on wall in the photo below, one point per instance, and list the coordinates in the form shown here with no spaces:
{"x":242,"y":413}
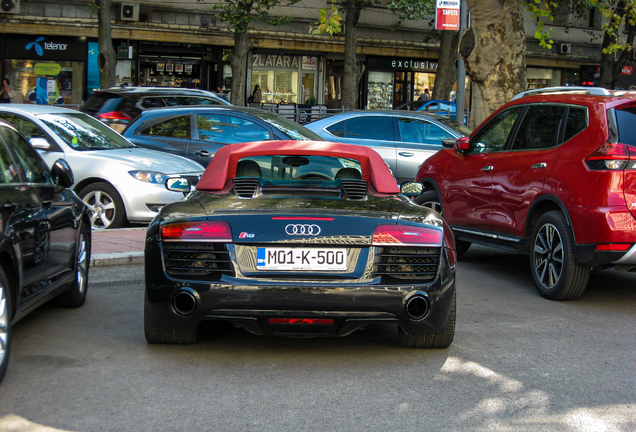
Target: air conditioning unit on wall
{"x":565,"y":49}
{"x":10,"y":6}
{"x":129,"y":12}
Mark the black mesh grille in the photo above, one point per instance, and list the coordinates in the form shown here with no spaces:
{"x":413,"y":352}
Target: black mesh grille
{"x":412,"y":263}
{"x":193,"y":179}
{"x":196,"y":259}
{"x":355,"y":189}
{"x":245,"y":187}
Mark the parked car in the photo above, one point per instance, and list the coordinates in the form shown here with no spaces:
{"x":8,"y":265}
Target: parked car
{"x":403,"y":139}
{"x":441,"y":107}
{"x":45,"y":243}
{"x":118,"y":181}
{"x":299,"y":238}
{"x":198,"y":132}
{"x":551,"y":174}
{"x":117,"y":106}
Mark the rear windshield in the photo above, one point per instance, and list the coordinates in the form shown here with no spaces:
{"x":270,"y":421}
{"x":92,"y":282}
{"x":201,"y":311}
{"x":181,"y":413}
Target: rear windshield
{"x":626,"y":120}
{"x":288,"y":127}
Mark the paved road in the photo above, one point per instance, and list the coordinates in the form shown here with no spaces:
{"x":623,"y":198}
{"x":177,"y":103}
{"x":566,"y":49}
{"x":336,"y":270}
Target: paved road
{"x":518,"y":363}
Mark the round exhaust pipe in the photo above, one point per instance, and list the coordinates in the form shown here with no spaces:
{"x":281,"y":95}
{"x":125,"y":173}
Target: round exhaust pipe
{"x":417,"y":307}
{"x":184,"y":302}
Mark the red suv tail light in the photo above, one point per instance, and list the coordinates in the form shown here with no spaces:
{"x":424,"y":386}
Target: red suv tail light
{"x":211,"y":231}
{"x":114,"y":115}
{"x":612,"y":156}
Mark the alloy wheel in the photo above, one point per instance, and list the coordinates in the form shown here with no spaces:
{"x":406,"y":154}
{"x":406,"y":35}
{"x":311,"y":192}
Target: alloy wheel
{"x":102,"y":209}
{"x":548,"y":255}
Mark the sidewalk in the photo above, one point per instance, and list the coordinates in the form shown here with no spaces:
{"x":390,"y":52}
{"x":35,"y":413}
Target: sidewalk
{"x":117,"y":246}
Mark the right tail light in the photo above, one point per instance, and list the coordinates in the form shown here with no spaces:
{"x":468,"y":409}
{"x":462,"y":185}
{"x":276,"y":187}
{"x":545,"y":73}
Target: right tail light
{"x":613,"y":157}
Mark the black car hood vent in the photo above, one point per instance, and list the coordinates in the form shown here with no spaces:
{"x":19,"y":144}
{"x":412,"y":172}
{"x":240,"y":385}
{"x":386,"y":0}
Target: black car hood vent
{"x":245,"y":187}
{"x":355,"y":189}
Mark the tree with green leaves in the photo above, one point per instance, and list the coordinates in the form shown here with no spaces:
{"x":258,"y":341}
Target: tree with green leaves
{"x":617,"y":14}
{"x":240,"y":14}
{"x":330,"y":21}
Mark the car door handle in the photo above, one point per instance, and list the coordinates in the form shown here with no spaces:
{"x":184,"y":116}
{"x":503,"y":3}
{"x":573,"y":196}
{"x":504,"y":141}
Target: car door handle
{"x":539,"y":165}
{"x":488,"y":168}
{"x":406,"y":154}
{"x":202,"y":153}
{"x":47,"y":203}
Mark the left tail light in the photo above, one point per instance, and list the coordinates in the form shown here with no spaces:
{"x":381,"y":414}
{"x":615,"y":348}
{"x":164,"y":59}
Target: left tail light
{"x":211,"y":231}
{"x":396,"y":235}
{"x":612,"y":156}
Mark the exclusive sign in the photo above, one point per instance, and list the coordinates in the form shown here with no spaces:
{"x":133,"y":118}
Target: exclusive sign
{"x":447,"y":14}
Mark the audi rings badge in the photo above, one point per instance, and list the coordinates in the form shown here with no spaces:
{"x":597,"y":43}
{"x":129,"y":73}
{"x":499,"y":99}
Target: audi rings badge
{"x":302,"y":229}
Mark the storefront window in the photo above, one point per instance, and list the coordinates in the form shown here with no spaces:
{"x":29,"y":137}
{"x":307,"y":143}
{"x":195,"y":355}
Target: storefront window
{"x":46,"y":82}
{"x":380,"y":89}
{"x":276,"y":86}
{"x":423,"y":81}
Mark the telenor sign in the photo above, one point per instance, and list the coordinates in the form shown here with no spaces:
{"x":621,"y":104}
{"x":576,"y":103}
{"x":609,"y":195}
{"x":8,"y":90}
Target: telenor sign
{"x":447,"y":14}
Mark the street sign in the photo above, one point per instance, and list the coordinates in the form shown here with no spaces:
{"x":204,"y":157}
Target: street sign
{"x":447,"y":14}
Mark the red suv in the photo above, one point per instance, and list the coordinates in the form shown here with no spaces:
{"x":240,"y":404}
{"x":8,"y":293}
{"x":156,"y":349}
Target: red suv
{"x":551,"y":174}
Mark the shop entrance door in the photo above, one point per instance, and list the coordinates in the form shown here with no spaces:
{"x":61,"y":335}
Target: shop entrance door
{"x":308,"y":95}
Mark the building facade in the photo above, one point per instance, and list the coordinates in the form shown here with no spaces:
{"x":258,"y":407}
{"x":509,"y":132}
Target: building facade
{"x":49,"y":53}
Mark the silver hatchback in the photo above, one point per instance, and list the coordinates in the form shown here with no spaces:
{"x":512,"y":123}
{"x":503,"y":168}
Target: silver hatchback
{"x":404,"y":139}
{"x":119,"y":181}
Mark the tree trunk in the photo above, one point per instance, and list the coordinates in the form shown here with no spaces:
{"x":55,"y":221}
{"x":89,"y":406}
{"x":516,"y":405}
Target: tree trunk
{"x":238,"y":63}
{"x":351,"y":71}
{"x":107,"y":59}
{"x":610,"y":69}
{"x":446,"y":65}
{"x":494,"y":51}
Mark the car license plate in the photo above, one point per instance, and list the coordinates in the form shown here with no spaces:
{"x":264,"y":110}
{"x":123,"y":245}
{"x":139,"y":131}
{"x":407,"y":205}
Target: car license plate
{"x":301,"y":259}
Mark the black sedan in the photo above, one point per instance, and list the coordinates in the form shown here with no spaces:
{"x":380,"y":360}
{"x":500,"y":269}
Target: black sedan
{"x":198,"y":132}
{"x":46,"y":237}
{"x":299,"y":239}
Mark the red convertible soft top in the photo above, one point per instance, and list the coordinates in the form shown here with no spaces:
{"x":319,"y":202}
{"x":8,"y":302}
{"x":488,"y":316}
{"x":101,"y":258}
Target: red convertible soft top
{"x":222,"y":167}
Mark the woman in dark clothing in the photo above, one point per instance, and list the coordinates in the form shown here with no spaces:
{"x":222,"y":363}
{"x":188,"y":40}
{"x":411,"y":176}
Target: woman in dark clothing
{"x":5,"y":95}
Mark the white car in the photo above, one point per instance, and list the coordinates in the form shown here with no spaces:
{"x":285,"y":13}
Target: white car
{"x":117,"y":180}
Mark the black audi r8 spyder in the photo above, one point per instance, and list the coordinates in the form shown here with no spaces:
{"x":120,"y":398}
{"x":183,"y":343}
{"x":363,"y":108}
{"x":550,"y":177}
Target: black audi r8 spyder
{"x":299,"y":239}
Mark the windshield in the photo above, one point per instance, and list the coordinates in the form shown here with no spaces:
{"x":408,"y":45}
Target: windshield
{"x":288,"y":127}
{"x":455,"y":125}
{"x":82,"y":132}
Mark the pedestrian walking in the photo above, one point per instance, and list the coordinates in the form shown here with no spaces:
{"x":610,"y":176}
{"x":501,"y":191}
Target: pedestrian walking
{"x":7,"y":92}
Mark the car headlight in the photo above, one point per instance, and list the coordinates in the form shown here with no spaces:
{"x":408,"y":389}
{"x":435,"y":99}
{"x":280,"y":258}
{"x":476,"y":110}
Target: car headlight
{"x":149,"y":176}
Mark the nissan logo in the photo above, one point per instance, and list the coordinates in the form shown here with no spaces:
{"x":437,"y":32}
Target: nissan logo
{"x":302,"y":229}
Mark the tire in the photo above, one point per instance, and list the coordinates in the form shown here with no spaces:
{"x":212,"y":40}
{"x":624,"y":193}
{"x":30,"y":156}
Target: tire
{"x":156,"y":334}
{"x":105,"y":205}
{"x":5,"y":324}
{"x":76,"y":294}
{"x":429,"y":199}
{"x":439,"y":339}
{"x":461,"y":247}
{"x":553,"y":264}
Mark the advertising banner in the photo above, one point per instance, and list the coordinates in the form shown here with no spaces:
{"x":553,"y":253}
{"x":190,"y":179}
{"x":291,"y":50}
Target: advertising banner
{"x":447,"y":14}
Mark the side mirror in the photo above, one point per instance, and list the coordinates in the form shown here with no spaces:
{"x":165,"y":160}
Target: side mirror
{"x":39,"y":143}
{"x":448,"y":142}
{"x":411,"y":189}
{"x":462,"y":145}
{"x":178,"y":184}
{"x":62,"y":174}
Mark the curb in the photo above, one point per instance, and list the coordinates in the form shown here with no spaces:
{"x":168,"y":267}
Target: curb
{"x":112,"y":259}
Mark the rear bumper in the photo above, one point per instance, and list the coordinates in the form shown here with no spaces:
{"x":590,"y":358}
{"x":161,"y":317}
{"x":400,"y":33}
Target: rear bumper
{"x":251,"y":306}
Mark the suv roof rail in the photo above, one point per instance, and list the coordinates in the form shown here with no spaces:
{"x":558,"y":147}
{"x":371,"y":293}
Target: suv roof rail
{"x":596,"y":91}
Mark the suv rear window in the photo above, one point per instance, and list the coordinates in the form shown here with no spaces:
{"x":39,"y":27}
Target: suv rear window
{"x":101,"y":102}
{"x":626,"y":120}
